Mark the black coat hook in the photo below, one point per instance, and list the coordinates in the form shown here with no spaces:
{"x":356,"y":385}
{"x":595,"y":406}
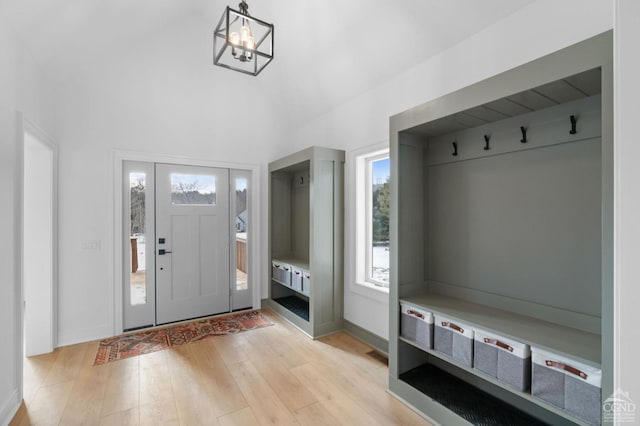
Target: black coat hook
{"x":486,"y":142}
{"x":524,"y":134}
{"x":455,"y":149}
{"x":573,"y":125}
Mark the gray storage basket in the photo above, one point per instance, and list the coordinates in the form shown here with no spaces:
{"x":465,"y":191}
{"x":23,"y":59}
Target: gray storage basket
{"x":306,"y":282}
{"x":485,"y":358}
{"x":416,"y":324}
{"x":281,"y":272}
{"x":296,"y":279}
{"x":567,"y":384}
{"x":454,"y":338}
{"x":505,"y":359}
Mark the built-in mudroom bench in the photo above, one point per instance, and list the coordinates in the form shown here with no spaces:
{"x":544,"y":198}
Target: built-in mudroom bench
{"x":306,"y":239}
{"x":501,"y":289}
{"x":504,"y":326}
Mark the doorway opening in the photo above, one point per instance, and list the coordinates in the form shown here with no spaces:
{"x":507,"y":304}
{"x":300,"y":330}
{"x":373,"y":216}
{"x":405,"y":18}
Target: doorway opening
{"x":39,"y":240}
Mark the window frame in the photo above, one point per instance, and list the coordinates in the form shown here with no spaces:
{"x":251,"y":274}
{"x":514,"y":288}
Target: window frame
{"x":367,"y":210}
{"x":359,"y":177}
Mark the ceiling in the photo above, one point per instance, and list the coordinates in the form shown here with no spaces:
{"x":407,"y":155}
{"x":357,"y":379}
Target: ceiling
{"x":326,"y":52}
{"x":578,"y":86}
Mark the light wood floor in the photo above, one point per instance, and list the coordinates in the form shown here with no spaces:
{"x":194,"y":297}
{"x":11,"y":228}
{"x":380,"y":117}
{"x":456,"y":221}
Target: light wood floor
{"x":274,"y":375}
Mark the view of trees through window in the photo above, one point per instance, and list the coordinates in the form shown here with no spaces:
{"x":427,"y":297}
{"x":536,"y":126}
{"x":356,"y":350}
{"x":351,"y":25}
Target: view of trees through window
{"x":137,"y":184}
{"x":380,"y":172}
{"x":137,"y":203}
{"x":193,"y":189}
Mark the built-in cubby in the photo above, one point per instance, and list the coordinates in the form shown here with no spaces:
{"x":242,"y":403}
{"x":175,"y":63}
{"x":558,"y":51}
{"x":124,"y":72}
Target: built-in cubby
{"x":501,"y":219}
{"x":306,"y":239}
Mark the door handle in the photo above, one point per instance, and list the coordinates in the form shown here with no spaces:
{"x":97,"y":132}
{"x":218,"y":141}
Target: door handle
{"x":162,"y":252}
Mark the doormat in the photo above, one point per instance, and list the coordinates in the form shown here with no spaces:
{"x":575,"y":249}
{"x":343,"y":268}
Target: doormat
{"x":130,"y":345}
{"x":467,"y":401}
{"x":296,"y":305}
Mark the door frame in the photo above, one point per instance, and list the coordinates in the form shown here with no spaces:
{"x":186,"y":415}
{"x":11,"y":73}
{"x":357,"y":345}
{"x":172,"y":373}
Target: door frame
{"x":25,"y":125}
{"x":116,"y":256}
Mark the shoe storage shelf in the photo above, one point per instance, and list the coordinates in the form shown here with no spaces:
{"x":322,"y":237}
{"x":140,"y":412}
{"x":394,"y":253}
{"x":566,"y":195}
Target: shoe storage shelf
{"x":501,"y":286}
{"x":306,"y":239}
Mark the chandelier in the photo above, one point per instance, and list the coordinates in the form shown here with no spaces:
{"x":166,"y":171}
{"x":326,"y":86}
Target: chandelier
{"x":241,"y":42}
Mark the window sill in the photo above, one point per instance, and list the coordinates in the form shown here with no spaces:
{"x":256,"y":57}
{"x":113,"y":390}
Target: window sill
{"x":371,"y":291}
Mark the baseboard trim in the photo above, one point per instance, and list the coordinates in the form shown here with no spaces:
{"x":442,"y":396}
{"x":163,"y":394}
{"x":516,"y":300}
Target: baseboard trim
{"x":373,"y":340}
{"x":378,"y":343}
{"x":9,"y":408}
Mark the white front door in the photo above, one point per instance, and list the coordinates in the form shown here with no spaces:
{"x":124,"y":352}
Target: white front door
{"x":192,"y":242}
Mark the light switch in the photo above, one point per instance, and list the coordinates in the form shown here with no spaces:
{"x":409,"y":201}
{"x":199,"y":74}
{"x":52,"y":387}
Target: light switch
{"x":91,"y":245}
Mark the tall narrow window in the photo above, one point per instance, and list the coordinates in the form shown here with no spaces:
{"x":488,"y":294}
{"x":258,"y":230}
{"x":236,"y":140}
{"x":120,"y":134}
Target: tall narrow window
{"x":378,"y":215}
{"x":138,"y":288}
{"x":371,"y":202}
{"x":241,"y":227}
{"x":378,"y":221}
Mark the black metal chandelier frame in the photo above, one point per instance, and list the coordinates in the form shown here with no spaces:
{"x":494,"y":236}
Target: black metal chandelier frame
{"x":253,"y":60}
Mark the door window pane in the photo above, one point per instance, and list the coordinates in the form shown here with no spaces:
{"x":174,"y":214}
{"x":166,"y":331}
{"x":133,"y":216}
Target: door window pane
{"x":380,"y":172}
{"x":241,"y":226}
{"x":137,"y":258}
{"x":193,"y":189}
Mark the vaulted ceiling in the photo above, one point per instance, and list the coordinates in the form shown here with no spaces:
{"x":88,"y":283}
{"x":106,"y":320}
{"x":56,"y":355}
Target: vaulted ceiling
{"x":326,"y":52}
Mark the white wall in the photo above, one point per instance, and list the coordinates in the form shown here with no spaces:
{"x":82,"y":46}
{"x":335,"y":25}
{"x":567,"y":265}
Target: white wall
{"x":170,"y":101}
{"x":20,"y":86}
{"x":627,"y":201}
{"x":363,"y":121}
{"x":9,"y":391}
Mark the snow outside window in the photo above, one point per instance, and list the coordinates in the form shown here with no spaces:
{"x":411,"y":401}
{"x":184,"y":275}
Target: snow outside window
{"x":372,"y":218}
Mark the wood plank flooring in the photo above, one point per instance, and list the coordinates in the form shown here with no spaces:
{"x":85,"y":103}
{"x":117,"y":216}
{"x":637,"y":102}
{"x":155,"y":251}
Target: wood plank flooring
{"x":270,"y":376}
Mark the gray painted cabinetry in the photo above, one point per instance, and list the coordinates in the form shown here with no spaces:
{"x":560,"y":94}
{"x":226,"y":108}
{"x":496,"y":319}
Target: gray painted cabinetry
{"x":501,"y":222}
{"x":306,"y":239}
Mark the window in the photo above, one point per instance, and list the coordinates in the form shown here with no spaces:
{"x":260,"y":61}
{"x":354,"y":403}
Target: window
{"x":377,"y":245}
{"x":193,"y":189}
{"x":138,"y":287}
{"x":241,"y":227}
{"x":372,"y":219}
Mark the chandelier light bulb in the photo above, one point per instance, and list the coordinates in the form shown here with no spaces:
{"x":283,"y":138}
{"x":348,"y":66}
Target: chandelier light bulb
{"x":234,"y":38}
{"x":245,"y":33}
{"x":250,"y":44}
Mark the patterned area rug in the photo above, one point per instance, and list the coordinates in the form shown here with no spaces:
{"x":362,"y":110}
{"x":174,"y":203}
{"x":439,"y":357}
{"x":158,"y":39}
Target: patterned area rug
{"x":129,"y":345}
